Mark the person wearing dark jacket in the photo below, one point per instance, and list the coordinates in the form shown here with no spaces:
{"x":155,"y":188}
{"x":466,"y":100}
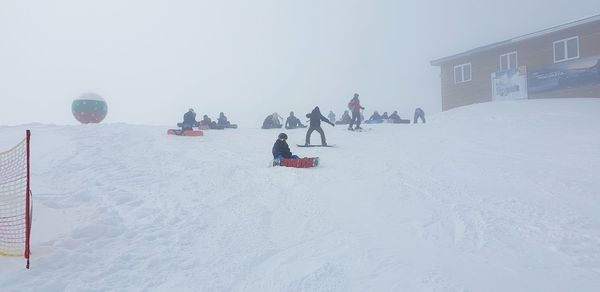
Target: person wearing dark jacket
{"x":222,"y":120}
{"x":375,"y":116}
{"x":281,"y":150}
{"x":292,"y":122}
{"x":419,"y":114}
{"x":315,"y":124}
{"x":206,"y":121}
{"x":346,"y":119}
{"x":189,"y":120}
{"x":272,"y":121}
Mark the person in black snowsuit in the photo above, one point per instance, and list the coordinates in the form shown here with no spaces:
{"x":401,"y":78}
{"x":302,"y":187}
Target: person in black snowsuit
{"x":222,"y":120}
{"x":292,"y":122}
{"x":315,"y":125}
{"x":281,"y":150}
{"x":419,"y":114}
{"x":189,"y":120}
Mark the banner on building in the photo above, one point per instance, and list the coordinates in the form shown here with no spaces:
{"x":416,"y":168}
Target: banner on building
{"x":565,"y":75}
{"x":510,"y":84}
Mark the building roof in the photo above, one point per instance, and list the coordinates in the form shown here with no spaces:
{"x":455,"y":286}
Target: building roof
{"x":518,"y":39}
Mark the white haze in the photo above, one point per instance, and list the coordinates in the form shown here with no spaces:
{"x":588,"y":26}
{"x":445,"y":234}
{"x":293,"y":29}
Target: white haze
{"x":152,"y":60}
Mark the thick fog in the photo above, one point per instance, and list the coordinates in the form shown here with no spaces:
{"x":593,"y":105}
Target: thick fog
{"x":152,"y":60}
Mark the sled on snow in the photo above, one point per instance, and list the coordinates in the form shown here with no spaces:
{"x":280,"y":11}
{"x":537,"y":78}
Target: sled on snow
{"x":189,"y":133}
{"x":306,"y":162}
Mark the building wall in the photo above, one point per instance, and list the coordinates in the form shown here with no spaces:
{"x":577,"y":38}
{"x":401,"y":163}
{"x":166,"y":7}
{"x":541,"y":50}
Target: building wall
{"x":537,"y":53}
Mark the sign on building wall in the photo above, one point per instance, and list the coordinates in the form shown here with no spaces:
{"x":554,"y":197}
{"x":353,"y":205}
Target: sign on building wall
{"x":510,"y":84}
{"x":565,"y":75}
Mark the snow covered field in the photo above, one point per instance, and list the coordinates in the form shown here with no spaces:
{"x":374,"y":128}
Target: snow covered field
{"x":491,"y":197}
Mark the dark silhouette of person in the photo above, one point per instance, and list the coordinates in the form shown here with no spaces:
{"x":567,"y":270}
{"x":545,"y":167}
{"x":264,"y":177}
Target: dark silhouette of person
{"x":189,"y":120}
{"x":315,"y":125}
{"x":419,"y":114}
{"x":272,"y":121}
{"x":346,"y":119}
{"x":292,"y":122}
{"x":222,"y":120}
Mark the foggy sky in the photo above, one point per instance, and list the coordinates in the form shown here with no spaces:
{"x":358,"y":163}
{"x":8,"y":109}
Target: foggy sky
{"x":151,"y":60}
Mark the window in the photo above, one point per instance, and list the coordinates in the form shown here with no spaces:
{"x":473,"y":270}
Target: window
{"x":567,"y":49}
{"x":508,"y":61}
{"x":462,"y":73}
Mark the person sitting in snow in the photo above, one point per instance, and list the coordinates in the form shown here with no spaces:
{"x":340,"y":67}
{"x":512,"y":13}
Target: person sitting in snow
{"x":331,"y":117}
{"x":346,"y":119}
{"x":281,"y":150}
{"x":315,"y":125}
{"x":375,"y":116}
{"x":385,"y":116}
{"x":189,"y":120}
{"x":272,"y":121}
{"x":206,"y":121}
{"x":292,"y":122}
{"x":222,"y":120}
{"x":395,"y":118}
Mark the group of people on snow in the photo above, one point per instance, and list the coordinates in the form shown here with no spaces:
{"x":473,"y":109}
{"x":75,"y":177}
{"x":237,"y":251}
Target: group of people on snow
{"x":189,"y":121}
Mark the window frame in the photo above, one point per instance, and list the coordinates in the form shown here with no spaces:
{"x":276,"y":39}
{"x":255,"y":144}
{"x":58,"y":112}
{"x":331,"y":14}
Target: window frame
{"x":462,"y":72}
{"x":565,"y":47}
{"x":508,"y":60}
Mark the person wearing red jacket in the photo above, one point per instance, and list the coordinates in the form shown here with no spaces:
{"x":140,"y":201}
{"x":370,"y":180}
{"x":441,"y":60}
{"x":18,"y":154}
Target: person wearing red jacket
{"x":355,"y":107}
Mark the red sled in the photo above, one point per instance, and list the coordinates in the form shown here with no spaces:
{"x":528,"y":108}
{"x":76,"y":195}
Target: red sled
{"x":305,"y":162}
{"x":189,"y":133}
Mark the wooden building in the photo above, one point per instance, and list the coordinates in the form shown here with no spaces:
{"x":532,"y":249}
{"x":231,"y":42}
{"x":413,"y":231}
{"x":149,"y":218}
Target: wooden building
{"x":562,"y":61}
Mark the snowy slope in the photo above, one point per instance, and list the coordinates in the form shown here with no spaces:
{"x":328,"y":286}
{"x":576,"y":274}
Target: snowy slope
{"x":491,"y":197}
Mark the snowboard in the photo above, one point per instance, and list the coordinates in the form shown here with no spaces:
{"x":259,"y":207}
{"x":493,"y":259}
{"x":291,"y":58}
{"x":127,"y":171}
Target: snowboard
{"x":306,"y":162}
{"x":374,"y":121}
{"x":315,"y":145}
{"x":190,"y":133}
{"x":360,"y":130}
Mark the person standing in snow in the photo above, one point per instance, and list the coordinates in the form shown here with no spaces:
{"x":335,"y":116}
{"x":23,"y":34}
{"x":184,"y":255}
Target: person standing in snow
{"x":419,"y":114}
{"x":189,"y":120}
{"x":315,"y":125}
{"x":281,"y":149}
{"x":355,"y":107}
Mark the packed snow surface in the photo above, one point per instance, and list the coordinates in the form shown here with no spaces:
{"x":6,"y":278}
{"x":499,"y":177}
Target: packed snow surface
{"x":491,"y":197}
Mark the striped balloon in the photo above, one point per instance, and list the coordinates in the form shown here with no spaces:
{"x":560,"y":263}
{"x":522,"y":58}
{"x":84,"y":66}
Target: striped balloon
{"x":89,"y":108}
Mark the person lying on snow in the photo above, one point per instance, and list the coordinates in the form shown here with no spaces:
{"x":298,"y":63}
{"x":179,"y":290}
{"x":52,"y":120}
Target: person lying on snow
{"x":281,"y":150}
{"x":315,"y":124}
{"x":292,"y":122}
{"x":189,"y":120}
